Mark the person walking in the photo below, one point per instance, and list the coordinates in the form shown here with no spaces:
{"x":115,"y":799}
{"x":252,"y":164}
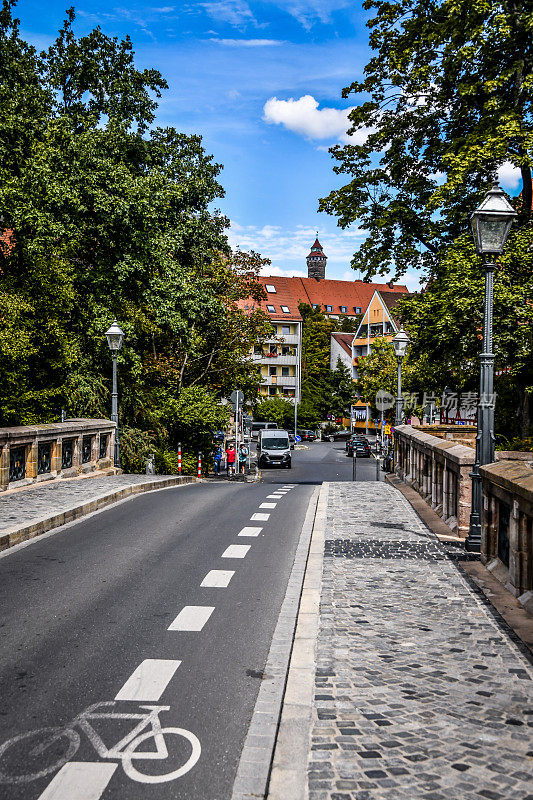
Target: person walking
{"x":230,"y":459}
{"x":243,"y":455}
{"x":217,"y":458}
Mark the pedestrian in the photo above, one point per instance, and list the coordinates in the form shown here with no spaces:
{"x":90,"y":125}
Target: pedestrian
{"x":230,"y":459}
{"x":217,"y":458}
{"x":243,"y":455}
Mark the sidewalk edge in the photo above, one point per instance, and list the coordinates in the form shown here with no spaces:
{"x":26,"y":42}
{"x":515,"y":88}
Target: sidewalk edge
{"x":288,"y":776}
{"x":253,"y":772}
{"x":18,"y":535}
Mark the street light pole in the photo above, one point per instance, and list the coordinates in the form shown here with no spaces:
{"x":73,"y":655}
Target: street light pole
{"x":114,"y":340}
{"x":400,"y":343}
{"x":491,"y":223}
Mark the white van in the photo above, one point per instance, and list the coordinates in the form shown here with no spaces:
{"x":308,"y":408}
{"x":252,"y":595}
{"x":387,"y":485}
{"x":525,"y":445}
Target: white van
{"x":274,"y":449}
{"x":262,"y":426}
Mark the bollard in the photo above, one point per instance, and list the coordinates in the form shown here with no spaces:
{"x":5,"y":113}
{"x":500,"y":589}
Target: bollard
{"x":378,"y":468}
{"x":199,"y":465}
{"x":354,"y":465}
{"x":179,"y":458}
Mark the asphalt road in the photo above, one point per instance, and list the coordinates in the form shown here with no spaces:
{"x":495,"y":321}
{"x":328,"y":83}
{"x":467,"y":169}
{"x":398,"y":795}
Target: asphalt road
{"x":85,"y":617}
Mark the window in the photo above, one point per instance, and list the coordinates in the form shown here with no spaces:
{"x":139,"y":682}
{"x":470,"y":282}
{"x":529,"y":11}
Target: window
{"x":270,"y":288}
{"x":285,"y":309}
{"x":272,"y":391}
{"x":284,"y":372}
{"x":357,"y":309}
{"x":316,"y":305}
{"x":329,"y":308}
{"x":271,"y":309}
{"x":286,"y":330}
{"x":273,"y":349}
{"x":258,"y":350}
{"x":344,"y":309}
{"x":286,"y":351}
{"x":272,"y":370}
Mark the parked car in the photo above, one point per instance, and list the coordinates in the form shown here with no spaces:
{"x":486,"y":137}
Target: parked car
{"x":356,"y":437}
{"x":306,"y":435}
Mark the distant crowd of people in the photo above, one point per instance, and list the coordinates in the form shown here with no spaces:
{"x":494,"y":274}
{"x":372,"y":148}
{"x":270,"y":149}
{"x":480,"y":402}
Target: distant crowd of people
{"x":234,"y":459}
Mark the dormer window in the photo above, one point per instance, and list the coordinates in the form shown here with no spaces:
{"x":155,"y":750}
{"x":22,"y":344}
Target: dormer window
{"x":285,"y":309}
{"x":344,"y":309}
{"x":271,"y":309}
{"x":357,"y":309}
{"x":271,"y":289}
{"x":329,"y":308}
{"x":316,"y":305}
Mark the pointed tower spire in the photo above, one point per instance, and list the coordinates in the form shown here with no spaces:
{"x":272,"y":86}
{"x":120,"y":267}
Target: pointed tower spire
{"x":316,"y":261}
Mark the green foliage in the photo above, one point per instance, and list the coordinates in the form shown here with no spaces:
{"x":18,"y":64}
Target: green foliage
{"x":445,"y":99}
{"x":193,"y":417}
{"x":525,"y":445}
{"x":377,"y":371}
{"x":135,"y":447}
{"x":274,"y":409}
{"x":111,"y":217}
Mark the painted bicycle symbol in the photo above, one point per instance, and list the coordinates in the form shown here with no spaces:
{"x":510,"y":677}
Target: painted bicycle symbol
{"x":29,"y":747}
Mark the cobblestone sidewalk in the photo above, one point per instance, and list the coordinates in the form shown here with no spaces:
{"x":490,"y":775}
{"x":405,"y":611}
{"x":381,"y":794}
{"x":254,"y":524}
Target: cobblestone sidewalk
{"x":419,"y":693}
{"x":26,"y":513}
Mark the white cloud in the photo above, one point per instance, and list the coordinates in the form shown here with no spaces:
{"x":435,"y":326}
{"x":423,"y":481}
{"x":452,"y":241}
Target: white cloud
{"x":235,"y":12}
{"x":303,"y":116}
{"x":509,"y":175}
{"x":164,"y":9}
{"x":248,"y":42}
{"x":309,"y":12}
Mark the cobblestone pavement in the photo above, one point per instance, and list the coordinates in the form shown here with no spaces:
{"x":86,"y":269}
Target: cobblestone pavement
{"x":420,"y":693}
{"x":34,"y":503}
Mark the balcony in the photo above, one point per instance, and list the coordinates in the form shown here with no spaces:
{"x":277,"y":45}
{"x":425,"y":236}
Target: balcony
{"x":286,"y":338}
{"x":278,"y":361}
{"x":278,"y":380}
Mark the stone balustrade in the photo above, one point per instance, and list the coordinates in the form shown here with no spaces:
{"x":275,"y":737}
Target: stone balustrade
{"x":507,"y":534}
{"x":32,"y":453}
{"x":438,"y":469}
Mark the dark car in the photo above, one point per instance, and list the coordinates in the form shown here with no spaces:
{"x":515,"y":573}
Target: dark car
{"x":357,"y":437}
{"x":361,"y":449}
{"x":339,"y":436}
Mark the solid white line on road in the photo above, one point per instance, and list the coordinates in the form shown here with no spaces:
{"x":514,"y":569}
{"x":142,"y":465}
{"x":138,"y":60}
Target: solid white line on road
{"x":79,"y":780}
{"x":259,"y":517}
{"x":218,"y":578}
{"x":250,"y":532}
{"x":191,"y":618}
{"x":149,"y":680}
{"x":236,"y":551}
{"x":268,"y":505}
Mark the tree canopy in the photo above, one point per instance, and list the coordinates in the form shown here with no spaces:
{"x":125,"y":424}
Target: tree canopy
{"x":445,"y":100}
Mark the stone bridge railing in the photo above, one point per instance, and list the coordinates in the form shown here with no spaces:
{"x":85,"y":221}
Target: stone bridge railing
{"x":438,"y":469}
{"x":507,"y":534}
{"x":32,"y":453}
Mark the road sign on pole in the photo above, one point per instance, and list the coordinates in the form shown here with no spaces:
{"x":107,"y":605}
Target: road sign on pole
{"x":236,"y":399}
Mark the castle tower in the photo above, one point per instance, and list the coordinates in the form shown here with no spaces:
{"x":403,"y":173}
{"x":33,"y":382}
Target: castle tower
{"x":316,"y":261}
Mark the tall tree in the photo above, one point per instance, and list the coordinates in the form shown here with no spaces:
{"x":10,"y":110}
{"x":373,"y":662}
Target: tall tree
{"x":445,"y":99}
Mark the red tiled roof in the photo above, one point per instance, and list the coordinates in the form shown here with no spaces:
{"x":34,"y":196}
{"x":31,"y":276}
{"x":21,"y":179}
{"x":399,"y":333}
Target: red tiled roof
{"x":283,"y":296}
{"x":6,"y":241}
{"x":345,"y":340}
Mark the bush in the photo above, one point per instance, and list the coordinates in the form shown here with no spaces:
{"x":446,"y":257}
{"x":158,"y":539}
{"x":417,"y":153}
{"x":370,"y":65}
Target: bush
{"x":525,"y":445}
{"x":135,"y":447}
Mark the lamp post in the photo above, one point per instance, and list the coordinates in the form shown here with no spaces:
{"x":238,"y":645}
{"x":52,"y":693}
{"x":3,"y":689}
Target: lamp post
{"x":491,"y":223}
{"x":400,"y":344}
{"x":114,"y":340}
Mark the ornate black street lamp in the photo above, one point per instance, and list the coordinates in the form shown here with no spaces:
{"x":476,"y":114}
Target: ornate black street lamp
{"x":400,"y":344}
{"x":114,"y":340}
{"x":491,"y":223}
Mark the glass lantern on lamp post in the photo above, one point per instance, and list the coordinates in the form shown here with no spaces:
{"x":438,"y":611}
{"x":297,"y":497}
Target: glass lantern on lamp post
{"x":400,"y":343}
{"x":491,"y":223}
{"x":115,"y":338}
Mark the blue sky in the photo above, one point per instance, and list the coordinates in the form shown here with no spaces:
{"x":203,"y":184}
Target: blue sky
{"x":261,"y":82}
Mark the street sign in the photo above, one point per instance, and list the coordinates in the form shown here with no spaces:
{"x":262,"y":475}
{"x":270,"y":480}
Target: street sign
{"x":236,"y":399}
{"x":387,"y":430}
{"x":297,"y":438}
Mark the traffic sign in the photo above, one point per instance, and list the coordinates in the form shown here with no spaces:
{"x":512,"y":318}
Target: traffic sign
{"x":236,"y":399}
{"x":387,"y":430}
{"x":297,"y":438}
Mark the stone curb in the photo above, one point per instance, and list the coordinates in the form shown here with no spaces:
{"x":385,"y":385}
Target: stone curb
{"x":40,"y":526}
{"x":288,"y":778}
{"x":253,"y":772}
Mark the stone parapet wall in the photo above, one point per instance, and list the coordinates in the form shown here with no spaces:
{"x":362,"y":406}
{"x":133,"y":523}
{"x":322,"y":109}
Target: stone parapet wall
{"x":461,"y":434}
{"x":33,"y":453}
{"x":507,"y":536}
{"x":439,"y":470}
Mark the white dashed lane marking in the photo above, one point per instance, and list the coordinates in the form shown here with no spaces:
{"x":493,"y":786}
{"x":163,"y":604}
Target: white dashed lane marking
{"x":149,"y":680}
{"x":274,"y":496}
{"x":236,"y":551}
{"x":82,"y":780}
{"x":268,"y":505}
{"x":250,"y":532}
{"x":191,"y":618}
{"x":218,"y":578}
{"x":260,"y":517}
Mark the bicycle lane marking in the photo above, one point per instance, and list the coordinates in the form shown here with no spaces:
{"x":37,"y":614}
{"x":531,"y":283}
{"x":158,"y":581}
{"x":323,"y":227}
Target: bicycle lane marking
{"x":149,"y":680}
{"x":191,"y":618}
{"x":79,"y":780}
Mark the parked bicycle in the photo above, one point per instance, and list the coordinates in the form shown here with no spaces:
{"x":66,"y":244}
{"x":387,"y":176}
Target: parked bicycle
{"x":28,"y":748}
